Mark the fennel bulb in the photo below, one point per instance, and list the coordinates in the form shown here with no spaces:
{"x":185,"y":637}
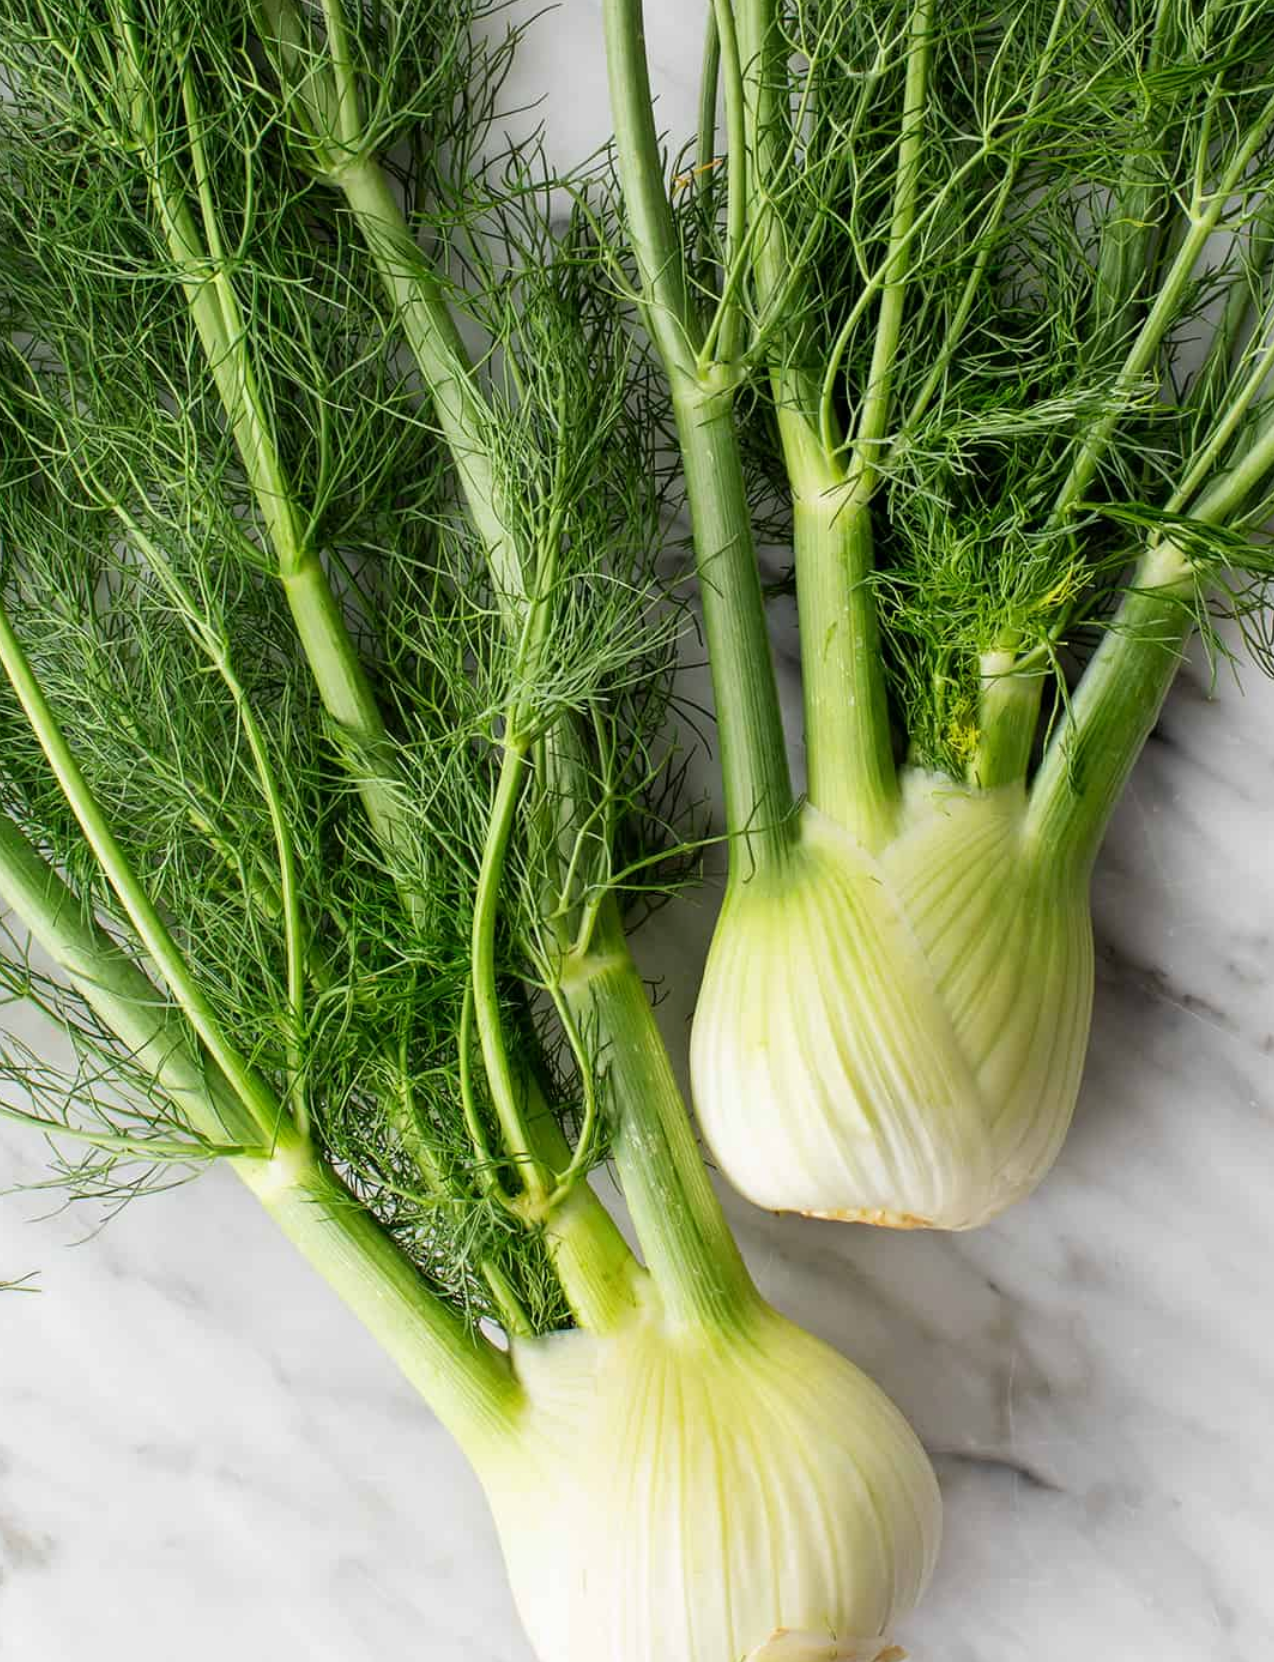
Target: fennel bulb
{"x":971,"y":310}
{"x":897,"y":1037}
{"x":691,"y":1494}
{"x":326,"y":731}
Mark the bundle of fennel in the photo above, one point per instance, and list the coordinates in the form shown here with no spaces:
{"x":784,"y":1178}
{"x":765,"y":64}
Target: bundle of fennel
{"x":331,"y":753}
{"x":972,"y":307}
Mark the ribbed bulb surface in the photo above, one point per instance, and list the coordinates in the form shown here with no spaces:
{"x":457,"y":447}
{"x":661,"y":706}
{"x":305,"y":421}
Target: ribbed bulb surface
{"x":710,"y":1497}
{"x":897,"y":1038}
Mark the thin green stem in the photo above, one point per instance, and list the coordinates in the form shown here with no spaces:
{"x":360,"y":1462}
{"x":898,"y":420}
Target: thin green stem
{"x":874,"y":412}
{"x":758,"y":789}
{"x":487,"y":1174}
{"x":586,"y":1143}
{"x":753,"y":754}
{"x":1231,"y":338}
{"x":159,"y":1150}
{"x":513,"y":1317}
{"x":1237,"y":406}
{"x":1203,"y":223}
{"x":764,"y":57}
{"x":328,"y":100}
{"x":1126,"y":257}
{"x":465,"y":1380}
{"x":1155,"y":631}
{"x":709,"y":87}
{"x":849,"y":754}
{"x":777,"y":278}
{"x":150,"y":928}
{"x":875,"y":281}
{"x":725,"y":332}
{"x":506,"y":1099}
{"x":329,"y":95}
{"x":595,"y":1267}
{"x":684,"y":1236}
{"x":321,"y":628}
{"x":850,"y":769}
{"x":953,"y":331}
{"x":1226,"y":497}
{"x":348,"y":116}
{"x":670,"y":315}
{"x":296,"y":936}
{"x":123,"y":998}
{"x":1110,"y":716}
{"x":1008,"y":712}
{"x":431,"y":334}
{"x":598,"y":1273}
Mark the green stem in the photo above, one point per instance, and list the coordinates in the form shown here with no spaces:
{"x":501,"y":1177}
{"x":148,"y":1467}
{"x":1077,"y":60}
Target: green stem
{"x":1091,"y":754}
{"x":216,"y":648}
{"x":688,"y":1247}
{"x":709,"y":87}
{"x":595,"y":1265}
{"x":1148,"y":627}
{"x":505,"y":1096}
{"x":123,"y":998}
{"x":465,"y":1380}
{"x":153,"y":1150}
{"x":753,"y":754}
{"x":766,"y":129}
{"x":346,"y":112}
{"x":850,"y":769}
{"x":1008,"y":713}
{"x":851,"y":772}
{"x":725,"y":333}
{"x":1228,"y":424}
{"x":873,"y":416}
{"x":431,"y":334}
{"x":1229,"y":495}
{"x":150,"y":928}
{"x":321,"y":628}
{"x":510,"y":1310}
{"x":987,"y":234}
{"x":670,"y":315}
{"x":324,"y":79}
{"x":1203,"y":222}
{"x":590,"y":1256}
{"x":758,"y":789}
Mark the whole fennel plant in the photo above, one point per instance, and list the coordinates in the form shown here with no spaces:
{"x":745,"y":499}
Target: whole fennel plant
{"x":330,"y":745}
{"x":972,"y":307}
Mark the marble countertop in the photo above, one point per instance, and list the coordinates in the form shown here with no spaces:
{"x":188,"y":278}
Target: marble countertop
{"x":202,"y":1454}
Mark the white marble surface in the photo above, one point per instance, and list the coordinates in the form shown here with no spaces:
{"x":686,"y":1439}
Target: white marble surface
{"x":202,"y":1455}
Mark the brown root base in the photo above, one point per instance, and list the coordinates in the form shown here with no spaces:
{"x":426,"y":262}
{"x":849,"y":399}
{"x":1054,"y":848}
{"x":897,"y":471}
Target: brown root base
{"x":876,"y":1216}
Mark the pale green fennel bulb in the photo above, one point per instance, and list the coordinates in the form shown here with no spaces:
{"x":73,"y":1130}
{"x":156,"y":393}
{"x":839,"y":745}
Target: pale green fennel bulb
{"x":898,"y":1038}
{"x":709,"y":1496}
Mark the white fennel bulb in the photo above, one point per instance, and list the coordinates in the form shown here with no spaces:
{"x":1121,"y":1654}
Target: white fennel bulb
{"x":687,"y":1495}
{"x":898,"y":1037}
